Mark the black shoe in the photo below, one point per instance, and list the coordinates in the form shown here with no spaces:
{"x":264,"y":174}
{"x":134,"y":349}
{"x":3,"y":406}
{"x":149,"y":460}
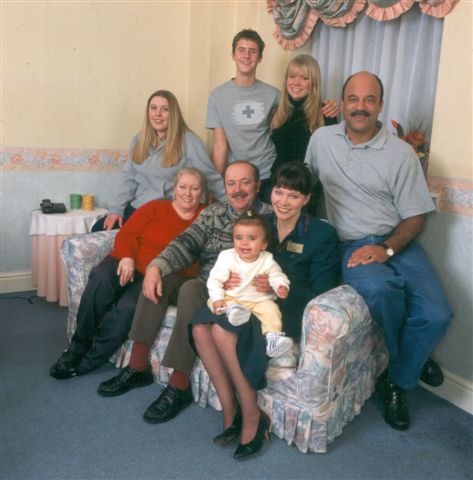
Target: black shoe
{"x":66,"y":365}
{"x":232,"y":432}
{"x":255,"y":445}
{"x":431,"y":373}
{"x":396,"y":414}
{"x":126,"y":380}
{"x":168,"y":404}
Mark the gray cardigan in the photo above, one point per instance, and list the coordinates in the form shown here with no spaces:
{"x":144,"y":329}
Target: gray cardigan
{"x":151,"y":181}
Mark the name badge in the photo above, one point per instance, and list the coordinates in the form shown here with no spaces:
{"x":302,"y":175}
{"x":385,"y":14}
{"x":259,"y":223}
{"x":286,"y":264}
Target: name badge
{"x":295,"y":247}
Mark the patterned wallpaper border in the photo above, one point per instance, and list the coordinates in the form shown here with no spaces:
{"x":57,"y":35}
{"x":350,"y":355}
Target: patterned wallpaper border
{"x":454,"y":196}
{"x":59,"y":159}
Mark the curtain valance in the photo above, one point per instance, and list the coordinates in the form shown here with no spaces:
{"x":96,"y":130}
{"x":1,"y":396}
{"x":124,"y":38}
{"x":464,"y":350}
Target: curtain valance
{"x":296,"y":19}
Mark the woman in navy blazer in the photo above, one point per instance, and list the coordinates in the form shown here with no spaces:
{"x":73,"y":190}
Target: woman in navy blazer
{"x":308,"y":255}
{"x":235,"y":357}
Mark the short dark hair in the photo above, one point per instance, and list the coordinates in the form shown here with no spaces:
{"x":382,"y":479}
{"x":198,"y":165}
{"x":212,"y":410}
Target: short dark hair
{"x":248,"y":34}
{"x":244,"y":162}
{"x":380,"y":83}
{"x":294,"y":176}
{"x":253,"y":219}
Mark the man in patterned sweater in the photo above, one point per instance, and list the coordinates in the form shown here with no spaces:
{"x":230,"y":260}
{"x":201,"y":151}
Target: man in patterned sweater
{"x":210,"y":233}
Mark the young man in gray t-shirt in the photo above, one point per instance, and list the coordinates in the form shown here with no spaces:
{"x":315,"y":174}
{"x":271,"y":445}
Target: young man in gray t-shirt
{"x":239,"y":110}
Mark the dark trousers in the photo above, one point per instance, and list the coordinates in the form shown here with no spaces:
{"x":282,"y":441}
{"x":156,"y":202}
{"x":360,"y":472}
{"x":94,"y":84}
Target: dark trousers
{"x":189,"y":296}
{"x":105,"y":314}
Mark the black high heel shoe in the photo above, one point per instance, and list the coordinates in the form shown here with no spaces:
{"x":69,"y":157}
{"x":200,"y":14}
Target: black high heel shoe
{"x":232,"y":432}
{"x":255,"y":445}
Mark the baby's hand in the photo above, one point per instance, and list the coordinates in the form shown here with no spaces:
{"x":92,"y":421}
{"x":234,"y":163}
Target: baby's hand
{"x":282,"y":291}
{"x":219,"y":306}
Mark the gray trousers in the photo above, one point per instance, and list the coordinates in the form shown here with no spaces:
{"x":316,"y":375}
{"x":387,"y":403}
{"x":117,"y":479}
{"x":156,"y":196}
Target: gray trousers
{"x":188,"y":295}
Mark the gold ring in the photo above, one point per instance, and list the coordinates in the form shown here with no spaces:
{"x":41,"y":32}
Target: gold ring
{"x":369,"y":257}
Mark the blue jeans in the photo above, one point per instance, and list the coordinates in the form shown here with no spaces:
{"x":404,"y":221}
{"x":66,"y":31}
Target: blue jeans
{"x":406,"y":300}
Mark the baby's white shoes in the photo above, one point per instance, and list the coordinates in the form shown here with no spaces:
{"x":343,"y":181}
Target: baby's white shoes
{"x":277,"y":344}
{"x":238,"y":314}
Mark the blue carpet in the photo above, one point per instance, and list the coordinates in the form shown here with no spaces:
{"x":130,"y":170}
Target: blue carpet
{"x":54,"y":429}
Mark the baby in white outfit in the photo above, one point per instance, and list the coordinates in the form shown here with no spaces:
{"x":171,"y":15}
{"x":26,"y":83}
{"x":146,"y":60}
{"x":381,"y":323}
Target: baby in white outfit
{"x":248,"y":259}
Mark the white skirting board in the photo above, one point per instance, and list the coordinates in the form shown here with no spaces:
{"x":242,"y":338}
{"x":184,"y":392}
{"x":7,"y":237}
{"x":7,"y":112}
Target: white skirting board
{"x":455,"y":389}
{"x":15,"y":282}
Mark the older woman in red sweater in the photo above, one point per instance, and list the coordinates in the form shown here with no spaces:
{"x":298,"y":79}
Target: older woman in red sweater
{"x":108,"y":303}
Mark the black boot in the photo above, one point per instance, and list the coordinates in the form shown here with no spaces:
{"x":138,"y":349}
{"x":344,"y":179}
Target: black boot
{"x":396,"y":414}
{"x":66,"y":365}
{"x":431,"y":373}
{"x":126,"y":380}
{"x":171,"y":401}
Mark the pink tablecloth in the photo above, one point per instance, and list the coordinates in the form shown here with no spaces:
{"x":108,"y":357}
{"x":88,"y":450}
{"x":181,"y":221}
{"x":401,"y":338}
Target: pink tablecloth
{"x":47,"y":234}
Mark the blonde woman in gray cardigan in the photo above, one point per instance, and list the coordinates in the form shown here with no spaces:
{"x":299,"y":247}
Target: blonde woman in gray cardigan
{"x":164,"y":146}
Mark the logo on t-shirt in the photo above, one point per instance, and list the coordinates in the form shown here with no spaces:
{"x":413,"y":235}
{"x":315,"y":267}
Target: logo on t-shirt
{"x":248,"y":113}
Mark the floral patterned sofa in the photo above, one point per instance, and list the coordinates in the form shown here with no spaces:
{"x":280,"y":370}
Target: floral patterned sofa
{"x":339,"y":358}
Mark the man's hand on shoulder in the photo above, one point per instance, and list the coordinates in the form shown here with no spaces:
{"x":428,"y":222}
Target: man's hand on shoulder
{"x":153,"y":284}
{"x":330,"y":108}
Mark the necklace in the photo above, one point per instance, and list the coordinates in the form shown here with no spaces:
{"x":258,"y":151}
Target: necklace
{"x":184,"y":215}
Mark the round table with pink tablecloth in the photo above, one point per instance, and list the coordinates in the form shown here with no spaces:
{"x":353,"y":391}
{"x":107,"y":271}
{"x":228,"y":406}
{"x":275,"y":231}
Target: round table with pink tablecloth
{"x":47,"y":232}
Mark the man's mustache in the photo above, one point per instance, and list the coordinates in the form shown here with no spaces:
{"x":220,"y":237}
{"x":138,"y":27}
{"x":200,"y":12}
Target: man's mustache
{"x":357,"y":113}
{"x":239,"y":194}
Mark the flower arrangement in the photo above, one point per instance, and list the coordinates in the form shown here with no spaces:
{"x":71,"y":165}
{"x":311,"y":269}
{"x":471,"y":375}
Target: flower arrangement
{"x":416,"y":139}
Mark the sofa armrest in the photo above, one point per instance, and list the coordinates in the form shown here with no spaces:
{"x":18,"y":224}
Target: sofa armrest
{"x":342,"y":353}
{"x":80,"y":254}
{"x":334,"y":329}
{"x":330,"y":317}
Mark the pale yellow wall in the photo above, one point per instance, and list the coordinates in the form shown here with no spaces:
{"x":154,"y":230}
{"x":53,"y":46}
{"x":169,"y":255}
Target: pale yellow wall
{"x":452,"y":134}
{"x":77,"y":74}
{"x":212,"y":29}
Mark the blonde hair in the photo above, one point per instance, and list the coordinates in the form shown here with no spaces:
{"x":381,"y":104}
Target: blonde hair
{"x":313,"y":102}
{"x":197,"y":173}
{"x":177,"y":127}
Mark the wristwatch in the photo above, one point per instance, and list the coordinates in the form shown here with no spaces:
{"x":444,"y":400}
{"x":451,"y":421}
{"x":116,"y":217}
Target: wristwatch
{"x":389,"y":250}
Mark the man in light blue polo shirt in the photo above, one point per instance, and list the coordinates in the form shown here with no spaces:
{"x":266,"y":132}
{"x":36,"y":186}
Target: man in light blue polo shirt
{"x":376,"y":197}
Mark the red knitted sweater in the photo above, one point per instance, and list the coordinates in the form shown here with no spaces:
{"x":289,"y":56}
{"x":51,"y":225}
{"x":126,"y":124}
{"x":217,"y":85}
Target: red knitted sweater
{"x":148,"y":231}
